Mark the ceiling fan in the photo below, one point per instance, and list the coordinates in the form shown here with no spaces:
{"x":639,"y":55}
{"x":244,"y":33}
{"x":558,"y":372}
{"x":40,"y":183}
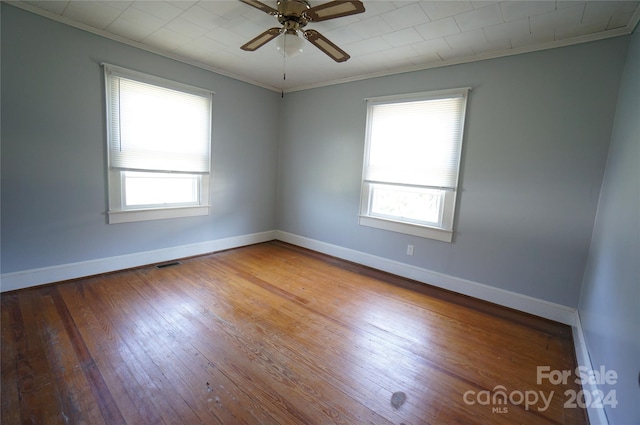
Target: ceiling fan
{"x":294,"y":16}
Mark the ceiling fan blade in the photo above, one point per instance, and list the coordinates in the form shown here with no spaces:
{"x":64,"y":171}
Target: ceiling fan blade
{"x":334,"y":9}
{"x":324,"y":44}
{"x":261,"y":40}
{"x":259,"y":5}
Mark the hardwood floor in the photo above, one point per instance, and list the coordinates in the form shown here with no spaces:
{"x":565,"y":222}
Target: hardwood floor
{"x":274,"y":334}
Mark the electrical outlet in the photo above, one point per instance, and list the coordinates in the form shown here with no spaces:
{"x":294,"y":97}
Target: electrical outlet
{"x":409,"y":249}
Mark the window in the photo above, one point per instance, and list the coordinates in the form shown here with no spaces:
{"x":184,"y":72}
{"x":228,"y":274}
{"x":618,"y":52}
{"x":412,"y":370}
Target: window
{"x":411,"y":162}
{"x":159,"y":141}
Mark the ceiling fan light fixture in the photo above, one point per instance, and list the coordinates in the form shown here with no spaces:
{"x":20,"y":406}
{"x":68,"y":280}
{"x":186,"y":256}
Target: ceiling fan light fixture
{"x":294,"y":15}
{"x":290,"y":44}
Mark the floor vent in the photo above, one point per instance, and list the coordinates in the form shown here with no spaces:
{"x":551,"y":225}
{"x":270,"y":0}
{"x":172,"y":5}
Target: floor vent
{"x":165,"y":265}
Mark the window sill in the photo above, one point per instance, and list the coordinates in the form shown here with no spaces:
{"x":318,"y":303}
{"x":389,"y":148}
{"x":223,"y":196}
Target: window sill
{"x":407,"y":228}
{"x":126,"y":216}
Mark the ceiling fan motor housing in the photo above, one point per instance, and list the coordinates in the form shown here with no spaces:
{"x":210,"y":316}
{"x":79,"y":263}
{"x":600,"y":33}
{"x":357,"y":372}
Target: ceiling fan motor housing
{"x":291,"y":13}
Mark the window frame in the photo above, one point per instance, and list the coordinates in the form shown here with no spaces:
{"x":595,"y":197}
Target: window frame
{"x":445,"y":229}
{"x":117,"y":211}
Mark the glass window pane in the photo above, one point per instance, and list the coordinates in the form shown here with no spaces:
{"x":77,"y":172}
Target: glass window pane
{"x":407,"y":203}
{"x":152,"y":189}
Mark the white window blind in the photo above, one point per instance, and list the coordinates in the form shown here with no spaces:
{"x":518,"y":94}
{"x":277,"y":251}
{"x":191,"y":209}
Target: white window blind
{"x":159,"y":147}
{"x":155,"y":128}
{"x":412,"y":158}
{"x":416,"y":142}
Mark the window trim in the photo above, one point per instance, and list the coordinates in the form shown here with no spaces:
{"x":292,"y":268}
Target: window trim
{"x":117,"y":212}
{"x":412,"y":228}
{"x":444,"y":233}
{"x":116,"y":216}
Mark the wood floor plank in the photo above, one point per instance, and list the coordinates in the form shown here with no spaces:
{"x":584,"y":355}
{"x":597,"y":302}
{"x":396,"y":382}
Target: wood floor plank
{"x":39,"y":396}
{"x":272,"y":334}
{"x":262,"y":364}
{"x":132,"y":384}
{"x":106,"y":364}
{"x":73,"y":389}
{"x":12,"y":331}
{"x":179,"y":359}
{"x":466,"y":365}
{"x":307,"y":347}
{"x":262,"y":331}
{"x":223,"y":357}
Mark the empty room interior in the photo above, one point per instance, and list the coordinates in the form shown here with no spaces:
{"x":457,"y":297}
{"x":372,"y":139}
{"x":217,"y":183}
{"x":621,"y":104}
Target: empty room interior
{"x":377,"y":212}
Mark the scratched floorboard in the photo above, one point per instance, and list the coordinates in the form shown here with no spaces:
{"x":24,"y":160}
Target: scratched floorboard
{"x":273,"y":334}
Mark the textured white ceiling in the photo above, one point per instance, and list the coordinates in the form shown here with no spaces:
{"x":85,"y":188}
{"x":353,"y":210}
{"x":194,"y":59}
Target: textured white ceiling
{"x":389,"y":37}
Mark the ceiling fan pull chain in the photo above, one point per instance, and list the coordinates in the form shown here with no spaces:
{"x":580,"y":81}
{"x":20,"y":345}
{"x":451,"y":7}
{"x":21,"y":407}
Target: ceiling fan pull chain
{"x":284,"y":78}
{"x":284,"y":66}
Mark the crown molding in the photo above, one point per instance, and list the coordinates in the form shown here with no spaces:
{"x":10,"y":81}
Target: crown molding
{"x":78,"y":25}
{"x":477,"y":58}
{"x":617,"y":32}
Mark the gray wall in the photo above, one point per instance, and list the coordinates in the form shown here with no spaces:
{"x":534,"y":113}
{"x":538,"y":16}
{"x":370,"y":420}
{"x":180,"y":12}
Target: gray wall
{"x":536,"y":140}
{"x":536,"y":143}
{"x":53,"y":149}
{"x":609,"y":304}
{"x":537,"y":135}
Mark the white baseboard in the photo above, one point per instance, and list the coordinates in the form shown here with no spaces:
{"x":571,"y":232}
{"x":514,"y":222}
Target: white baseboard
{"x":538,"y":307}
{"x":525,"y":303}
{"x":44,"y":275}
{"x":596,"y":416}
